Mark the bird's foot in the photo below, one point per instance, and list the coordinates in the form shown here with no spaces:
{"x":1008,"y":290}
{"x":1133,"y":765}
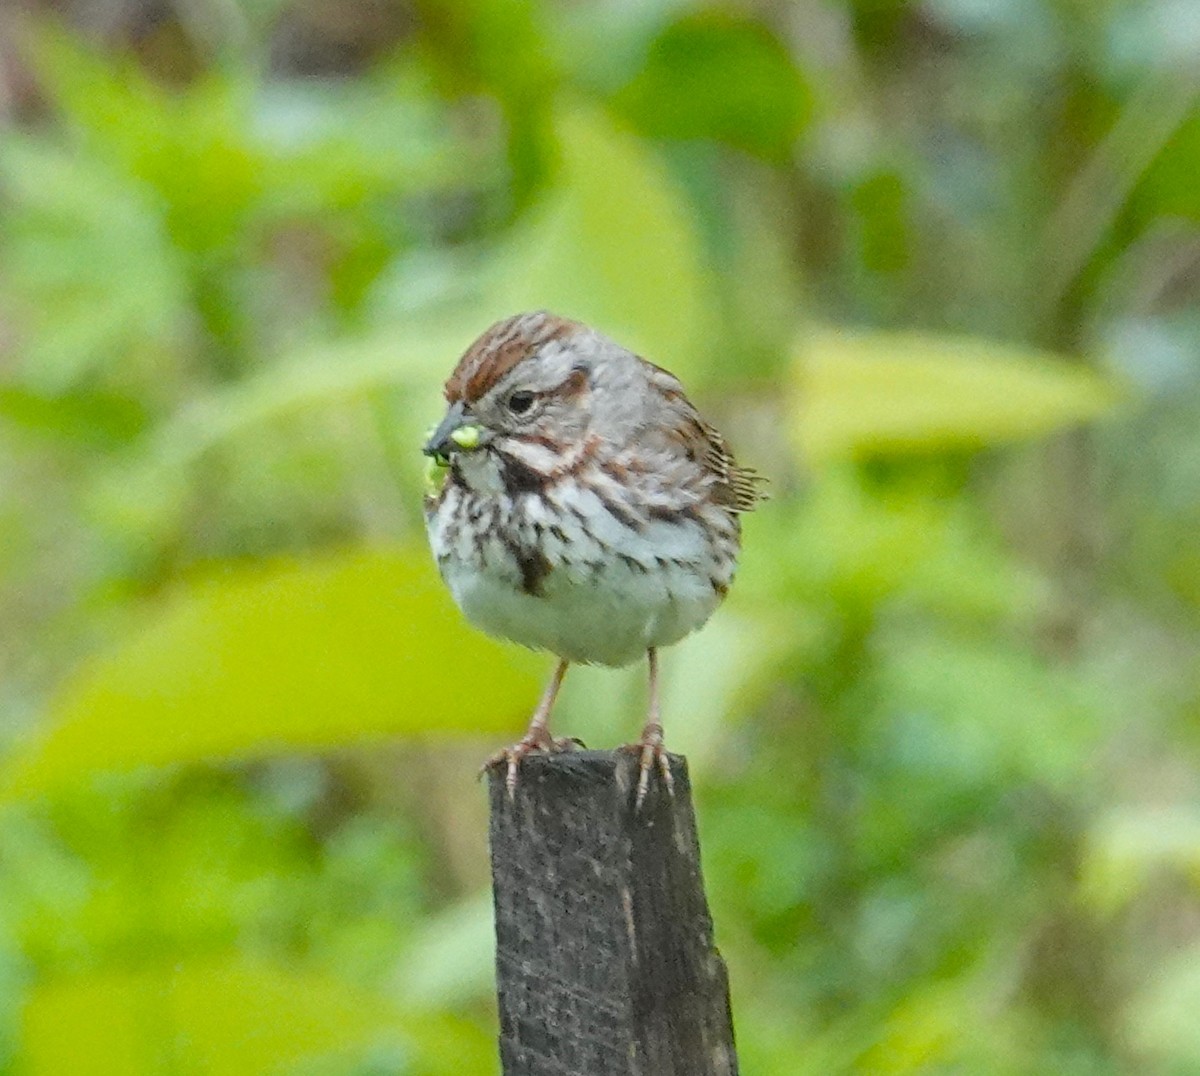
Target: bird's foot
{"x":536,"y":739}
{"x":651,"y":753}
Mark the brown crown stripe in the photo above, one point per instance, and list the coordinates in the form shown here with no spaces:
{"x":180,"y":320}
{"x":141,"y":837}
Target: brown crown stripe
{"x":500,"y":348}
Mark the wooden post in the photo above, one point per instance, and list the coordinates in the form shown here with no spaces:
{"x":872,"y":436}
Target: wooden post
{"x":604,"y":954}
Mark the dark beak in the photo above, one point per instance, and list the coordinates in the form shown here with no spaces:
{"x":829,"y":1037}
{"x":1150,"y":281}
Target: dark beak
{"x":440,"y":443}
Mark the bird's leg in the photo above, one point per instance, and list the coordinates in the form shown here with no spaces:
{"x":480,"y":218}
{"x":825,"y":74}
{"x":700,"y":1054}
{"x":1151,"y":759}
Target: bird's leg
{"x":537,"y":737}
{"x":650,"y":744}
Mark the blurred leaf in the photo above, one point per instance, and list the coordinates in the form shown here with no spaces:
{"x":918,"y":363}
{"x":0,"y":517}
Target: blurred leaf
{"x":88,"y":269}
{"x":297,"y":655}
{"x":144,"y":492}
{"x":1129,"y":848}
{"x":719,"y":75}
{"x":501,"y":45}
{"x":369,"y":892}
{"x":709,"y":678}
{"x":147,"y":867}
{"x":189,"y":147}
{"x":104,"y":420}
{"x":977,"y":711}
{"x":451,"y":961}
{"x":503,"y":50}
{"x":212,"y":1018}
{"x":845,"y":549}
{"x":758,"y":289}
{"x":222,"y":163}
{"x":878,"y":393}
{"x":332,"y":145}
{"x":44,"y":891}
{"x":714,"y":674}
{"x":448,"y":1045}
{"x":921,"y":1033}
{"x":947,"y":1026}
{"x":409,"y":355}
{"x":772,"y":859}
{"x":1161,"y":1021}
{"x":1150,"y":144}
{"x":614,"y":245}
{"x":110,"y":101}
{"x":602,"y":46}
{"x":882,"y":216}
{"x":1168,"y":186}
{"x":1022,"y":19}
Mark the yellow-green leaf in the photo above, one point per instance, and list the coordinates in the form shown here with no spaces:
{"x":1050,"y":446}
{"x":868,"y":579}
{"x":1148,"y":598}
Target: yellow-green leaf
{"x":876,"y":393}
{"x":222,"y":1017}
{"x":412,"y":355}
{"x":1160,"y":1021}
{"x":299,"y":654}
{"x":614,"y":245}
{"x":1126,"y":850}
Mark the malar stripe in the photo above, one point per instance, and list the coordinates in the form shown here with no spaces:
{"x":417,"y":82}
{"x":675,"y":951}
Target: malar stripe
{"x":518,"y":477}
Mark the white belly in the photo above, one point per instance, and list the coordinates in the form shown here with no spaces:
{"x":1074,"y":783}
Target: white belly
{"x":607,"y":594}
{"x":609,"y":619}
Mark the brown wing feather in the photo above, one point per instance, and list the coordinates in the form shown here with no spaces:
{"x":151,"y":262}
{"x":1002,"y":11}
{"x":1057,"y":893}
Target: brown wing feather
{"x":736,"y":488}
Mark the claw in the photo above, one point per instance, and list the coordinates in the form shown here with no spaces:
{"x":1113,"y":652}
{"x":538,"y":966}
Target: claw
{"x":649,"y":747}
{"x":537,"y":737}
{"x":651,"y":754}
{"x":510,"y":757}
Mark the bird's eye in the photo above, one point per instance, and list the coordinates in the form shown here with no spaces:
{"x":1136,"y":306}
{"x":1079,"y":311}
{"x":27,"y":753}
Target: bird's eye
{"x":520,"y":401}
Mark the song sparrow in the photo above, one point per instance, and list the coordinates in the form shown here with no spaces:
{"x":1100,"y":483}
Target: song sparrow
{"x":584,"y":508}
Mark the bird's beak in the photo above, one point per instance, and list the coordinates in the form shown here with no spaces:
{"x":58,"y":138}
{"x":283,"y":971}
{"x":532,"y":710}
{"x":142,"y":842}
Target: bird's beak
{"x":454,"y":433}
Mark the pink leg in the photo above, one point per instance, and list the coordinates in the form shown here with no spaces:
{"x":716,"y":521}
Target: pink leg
{"x":537,"y":737}
{"x":650,"y":743}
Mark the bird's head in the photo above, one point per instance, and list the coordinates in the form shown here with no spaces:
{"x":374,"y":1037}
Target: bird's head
{"x":522,"y":391}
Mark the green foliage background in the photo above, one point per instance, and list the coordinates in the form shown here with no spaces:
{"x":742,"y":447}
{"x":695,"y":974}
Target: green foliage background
{"x":934,"y":266}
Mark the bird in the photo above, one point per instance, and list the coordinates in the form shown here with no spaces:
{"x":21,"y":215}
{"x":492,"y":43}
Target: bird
{"x":579,"y":504}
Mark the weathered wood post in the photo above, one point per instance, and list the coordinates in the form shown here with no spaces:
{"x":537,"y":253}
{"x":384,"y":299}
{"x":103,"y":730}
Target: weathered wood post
{"x":604,"y":952}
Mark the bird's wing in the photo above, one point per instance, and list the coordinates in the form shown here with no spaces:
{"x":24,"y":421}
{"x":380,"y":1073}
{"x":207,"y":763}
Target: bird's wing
{"x":738,"y":489}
